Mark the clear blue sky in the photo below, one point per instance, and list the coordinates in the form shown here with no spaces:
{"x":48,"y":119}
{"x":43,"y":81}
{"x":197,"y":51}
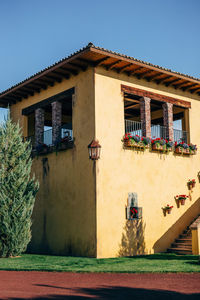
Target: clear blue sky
{"x":36,"y":33}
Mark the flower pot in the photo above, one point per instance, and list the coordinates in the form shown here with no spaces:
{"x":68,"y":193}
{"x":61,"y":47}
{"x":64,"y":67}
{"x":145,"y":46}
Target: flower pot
{"x":179,"y":150}
{"x":127,"y":143}
{"x":157,"y":146}
{"x":190,"y":186}
{"x":169,"y":211}
{"x":182,"y":201}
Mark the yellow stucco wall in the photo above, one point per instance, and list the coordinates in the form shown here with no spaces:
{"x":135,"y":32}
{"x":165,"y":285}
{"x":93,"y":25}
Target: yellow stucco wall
{"x":64,"y":218}
{"x":80,"y":208}
{"x":156,"y":178}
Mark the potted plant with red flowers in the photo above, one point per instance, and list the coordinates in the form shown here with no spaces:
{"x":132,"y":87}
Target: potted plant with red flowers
{"x":183,"y":148}
{"x":127,"y":140}
{"x":167,"y":209}
{"x":192,"y":149}
{"x":181,"y":199}
{"x":191,"y":183}
{"x":161,"y":144}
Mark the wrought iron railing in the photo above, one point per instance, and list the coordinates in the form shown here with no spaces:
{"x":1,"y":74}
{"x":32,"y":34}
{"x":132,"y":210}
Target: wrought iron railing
{"x":133,"y":127}
{"x":180,"y":136}
{"x":47,"y":136}
{"x":157,"y":131}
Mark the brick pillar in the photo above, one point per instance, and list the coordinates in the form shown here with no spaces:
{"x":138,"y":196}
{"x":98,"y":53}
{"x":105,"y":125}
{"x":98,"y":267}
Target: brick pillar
{"x":168,"y":120}
{"x":56,"y":121}
{"x":39,"y":126}
{"x":145,"y":115}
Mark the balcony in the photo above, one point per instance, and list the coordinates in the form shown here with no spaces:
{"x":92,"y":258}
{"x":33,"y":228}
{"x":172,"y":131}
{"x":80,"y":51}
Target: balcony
{"x":65,"y":142}
{"x":157,"y":131}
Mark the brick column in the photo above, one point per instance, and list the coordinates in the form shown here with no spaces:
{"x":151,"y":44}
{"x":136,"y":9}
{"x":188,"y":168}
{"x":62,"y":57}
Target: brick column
{"x":56,"y":121}
{"x":168,"y":120}
{"x":145,"y":115}
{"x":39,"y":126}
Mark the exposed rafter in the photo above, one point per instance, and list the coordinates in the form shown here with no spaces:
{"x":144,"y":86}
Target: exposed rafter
{"x":111,"y":66}
{"x":21,"y":94}
{"x":150,"y":78}
{"x":38,"y":85}
{"x":194,"y":90}
{"x":188,"y":87}
{"x":137,"y":105}
{"x":180,"y":85}
{"x":142,"y":75}
{"x":80,"y":67}
{"x":74,"y":71}
{"x":60,"y":74}
{"x":120,"y":70}
{"x":48,"y":81}
{"x":133,"y":71}
{"x":162,"y":80}
{"x":55,"y":78}
{"x":94,"y":63}
{"x":171,"y":82}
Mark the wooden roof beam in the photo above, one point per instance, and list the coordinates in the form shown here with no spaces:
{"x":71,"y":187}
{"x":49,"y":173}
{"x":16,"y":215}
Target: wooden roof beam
{"x":142,"y":75}
{"x":162,"y":80}
{"x":28,"y":90}
{"x":188,"y":87}
{"x":11,"y":99}
{"x":112,"y":65}
{"x":38,"y":85}
{"x":55,"y":78}
{"x":150,"y":78}
{"x":94,"y":63}
{"x":137,"y":105}
{"x":135,"y":70}
{"x":59,"y":73}
{"x":80,"y":67}
{"x":21,"y":94}
{"x":47,"y":81}
{"x":179,"y":85}
{"x":194,"y":90}
{"x":171,"y":82}
{"x":131,"y":100}
{"x":74,"y":71}
{"x":120,"y":70}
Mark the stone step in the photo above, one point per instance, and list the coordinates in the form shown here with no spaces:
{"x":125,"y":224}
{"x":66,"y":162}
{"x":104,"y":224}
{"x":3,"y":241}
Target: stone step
{"x":184,"y":240}
{"x":184,"y":235}
{"x":179,"y":251}
{"x":182,"y":246}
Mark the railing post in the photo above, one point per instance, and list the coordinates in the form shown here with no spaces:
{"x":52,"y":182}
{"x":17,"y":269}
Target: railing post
{"x":168,"y":120}
{"x":39,"y":126}
{"x":145,"y":115}
{"x":56,"y":121}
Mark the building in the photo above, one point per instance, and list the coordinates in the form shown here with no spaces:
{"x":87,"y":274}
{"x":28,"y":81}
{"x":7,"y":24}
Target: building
{"x":84,"y":206}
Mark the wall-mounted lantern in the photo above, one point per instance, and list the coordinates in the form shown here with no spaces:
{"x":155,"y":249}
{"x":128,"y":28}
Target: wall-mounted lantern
{"x":94,"y":149}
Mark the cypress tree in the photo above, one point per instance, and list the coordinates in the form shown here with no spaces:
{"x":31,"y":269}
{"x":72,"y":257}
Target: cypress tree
{"x":17,"y":190}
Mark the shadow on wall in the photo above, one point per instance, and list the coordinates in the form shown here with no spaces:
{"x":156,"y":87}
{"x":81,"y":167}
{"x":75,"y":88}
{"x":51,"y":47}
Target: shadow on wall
{"x":177,"y":228}
{"x":132,"y":242}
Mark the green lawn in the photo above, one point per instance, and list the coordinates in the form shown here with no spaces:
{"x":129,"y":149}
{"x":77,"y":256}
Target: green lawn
{"x":150,"y":263}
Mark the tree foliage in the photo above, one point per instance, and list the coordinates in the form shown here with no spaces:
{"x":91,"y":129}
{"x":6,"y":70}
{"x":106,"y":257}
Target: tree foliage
{"x":17,"y":190}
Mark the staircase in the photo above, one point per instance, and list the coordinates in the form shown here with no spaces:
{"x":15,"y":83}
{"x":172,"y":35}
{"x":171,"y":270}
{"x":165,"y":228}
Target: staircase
{"x":183,"y":244}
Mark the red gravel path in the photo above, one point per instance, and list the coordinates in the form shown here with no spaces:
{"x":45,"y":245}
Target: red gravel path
{"x":47,"y":285}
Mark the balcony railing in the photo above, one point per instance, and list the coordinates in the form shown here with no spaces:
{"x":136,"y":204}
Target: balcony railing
{"x":157,"y":131}
{"x":47,"y":136}
{"x":133,"y":127}
{"x":180,"y":136}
